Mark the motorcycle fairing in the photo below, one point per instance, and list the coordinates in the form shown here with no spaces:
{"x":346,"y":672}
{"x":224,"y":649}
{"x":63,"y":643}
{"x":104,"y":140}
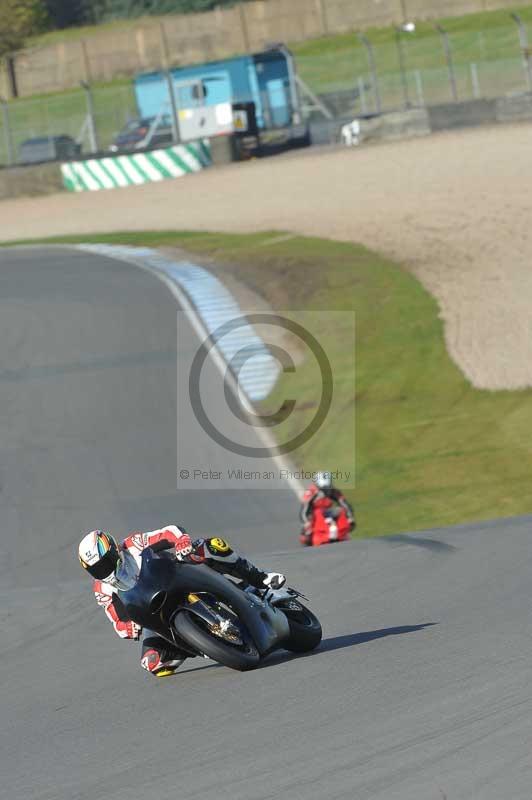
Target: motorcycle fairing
{"x":164,"y":585}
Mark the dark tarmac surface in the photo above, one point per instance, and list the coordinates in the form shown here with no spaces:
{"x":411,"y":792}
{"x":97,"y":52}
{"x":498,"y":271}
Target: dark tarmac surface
{"x":420,"y":690}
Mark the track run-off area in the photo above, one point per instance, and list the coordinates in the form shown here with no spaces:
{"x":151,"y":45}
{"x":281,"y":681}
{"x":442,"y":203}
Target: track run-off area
{"x":420,"y":690}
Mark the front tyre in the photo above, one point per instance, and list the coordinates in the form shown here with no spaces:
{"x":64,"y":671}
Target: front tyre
{"x":195,"y":631}
{"x":305,"y":627}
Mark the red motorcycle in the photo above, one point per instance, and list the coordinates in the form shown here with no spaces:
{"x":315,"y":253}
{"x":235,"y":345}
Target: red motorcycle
{"x":330,"y":525}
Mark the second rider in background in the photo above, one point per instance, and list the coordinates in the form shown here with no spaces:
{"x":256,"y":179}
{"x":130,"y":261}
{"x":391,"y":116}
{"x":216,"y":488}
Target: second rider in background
{"x":319,"y":497}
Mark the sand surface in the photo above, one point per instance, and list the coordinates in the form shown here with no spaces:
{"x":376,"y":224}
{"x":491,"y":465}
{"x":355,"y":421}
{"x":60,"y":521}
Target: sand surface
{"x":455,"y":208}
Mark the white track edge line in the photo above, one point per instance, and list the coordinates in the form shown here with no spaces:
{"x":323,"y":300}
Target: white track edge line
{"x":196,"y":322}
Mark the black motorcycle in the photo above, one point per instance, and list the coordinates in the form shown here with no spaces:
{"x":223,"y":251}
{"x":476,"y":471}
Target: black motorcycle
{"x":205,"y":613}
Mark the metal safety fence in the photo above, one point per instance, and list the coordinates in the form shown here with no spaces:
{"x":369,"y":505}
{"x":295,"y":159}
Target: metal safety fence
{"x":356,"y":74}
{"x":419,"y":67}
{"x":65,"y":125}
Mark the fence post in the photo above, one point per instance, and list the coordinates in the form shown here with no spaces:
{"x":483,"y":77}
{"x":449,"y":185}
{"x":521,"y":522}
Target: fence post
{"x":373,"y":69}
{"x":85,"y":61}
{"x":402,"y":68}
{"x":475,"y":81}
{"x":7,"y":132}
{"x":523,"y":41}
{"x":12,"y":76}
{"x":173,"y":106}
{"x":318,"y":104}
{"x":362,"y":95}
{"x":93,"y":138}
{"x":449,"y":59}
{"x":292,"y":85}
{"x":419,"y":88}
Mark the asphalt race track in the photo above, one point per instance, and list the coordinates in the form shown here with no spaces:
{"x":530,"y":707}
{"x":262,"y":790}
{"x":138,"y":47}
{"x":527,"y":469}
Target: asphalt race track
{"x":420,"y":690}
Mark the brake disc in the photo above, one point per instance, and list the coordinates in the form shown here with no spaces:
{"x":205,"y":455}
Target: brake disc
{"x":226,"y":630}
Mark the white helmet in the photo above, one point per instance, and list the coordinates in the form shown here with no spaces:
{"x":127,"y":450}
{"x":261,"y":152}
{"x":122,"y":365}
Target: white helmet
{"x":324,"y":481}
{"x":99,"y":554}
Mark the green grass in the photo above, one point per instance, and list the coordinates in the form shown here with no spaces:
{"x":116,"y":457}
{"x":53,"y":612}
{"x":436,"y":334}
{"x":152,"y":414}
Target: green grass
{"x":474,"y":37}
{"x":470,"y":23}
{"x":431,"y":450}
{"x":84,"y":31}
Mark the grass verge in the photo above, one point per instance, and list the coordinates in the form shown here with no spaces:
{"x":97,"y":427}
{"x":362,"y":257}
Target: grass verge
{"x":431,"y":450}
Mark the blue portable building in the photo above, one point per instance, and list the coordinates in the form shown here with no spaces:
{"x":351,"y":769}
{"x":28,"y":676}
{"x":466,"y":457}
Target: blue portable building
{"x":263,"y":78}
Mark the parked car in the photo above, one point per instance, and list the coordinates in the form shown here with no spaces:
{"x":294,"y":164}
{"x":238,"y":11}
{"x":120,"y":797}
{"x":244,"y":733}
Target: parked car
{"x":48,"y":148}
{"x":136,"y":134}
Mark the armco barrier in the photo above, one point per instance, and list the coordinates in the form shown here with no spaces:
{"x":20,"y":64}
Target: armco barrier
{"x":30,"y":181}
{"x":114,"y":172}
{"x":461,"y":115}
{"x":396,"y":125}
{"x":514,"y":109}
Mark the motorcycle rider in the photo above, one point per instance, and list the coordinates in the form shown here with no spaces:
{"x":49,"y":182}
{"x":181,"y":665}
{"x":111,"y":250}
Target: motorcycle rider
{"x":109,"y":563}
{"x":321,"y":494}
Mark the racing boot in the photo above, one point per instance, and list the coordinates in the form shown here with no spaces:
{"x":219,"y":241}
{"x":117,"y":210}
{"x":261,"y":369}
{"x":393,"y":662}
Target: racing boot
{"x":160,"y":658}
{"x":248,"y":572}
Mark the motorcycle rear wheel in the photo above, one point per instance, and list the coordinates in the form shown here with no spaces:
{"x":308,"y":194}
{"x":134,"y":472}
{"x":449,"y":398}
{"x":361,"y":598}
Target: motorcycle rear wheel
{"x":194,"y":631}
{"x":305,"y":628}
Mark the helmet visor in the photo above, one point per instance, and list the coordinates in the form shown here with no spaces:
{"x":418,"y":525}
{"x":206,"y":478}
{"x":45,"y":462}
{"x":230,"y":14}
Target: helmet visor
{"x":104,"y":567}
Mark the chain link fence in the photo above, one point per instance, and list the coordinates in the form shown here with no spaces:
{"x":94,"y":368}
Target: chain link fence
{"x":419,"y":69}
{"x":358,"y":76}
{"x":65,"y":125}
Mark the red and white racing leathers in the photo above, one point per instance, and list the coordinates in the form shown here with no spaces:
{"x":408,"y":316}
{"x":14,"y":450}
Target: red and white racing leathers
{"x":315,"y":498}
{"x":158,"y":655}
{"x":135,"y":544}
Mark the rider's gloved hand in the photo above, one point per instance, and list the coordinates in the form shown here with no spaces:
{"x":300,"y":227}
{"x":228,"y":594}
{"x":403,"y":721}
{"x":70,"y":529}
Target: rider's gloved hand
{"x":184,"y":547}
{"x":274,"y":580}
{"x":133,"y":630}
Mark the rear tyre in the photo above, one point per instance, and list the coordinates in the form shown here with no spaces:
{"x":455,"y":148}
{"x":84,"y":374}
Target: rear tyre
{"x":305,"y":627}
{"x":194,"y":631}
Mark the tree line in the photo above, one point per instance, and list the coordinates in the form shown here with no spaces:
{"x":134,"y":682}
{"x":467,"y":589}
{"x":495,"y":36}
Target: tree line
{"x":20,"y":19}
{"x":77,"y":12}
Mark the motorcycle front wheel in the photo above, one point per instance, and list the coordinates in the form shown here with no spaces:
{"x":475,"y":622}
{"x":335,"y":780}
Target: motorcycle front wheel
{"x":196,"y":632}
{"x":305,"y":627}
